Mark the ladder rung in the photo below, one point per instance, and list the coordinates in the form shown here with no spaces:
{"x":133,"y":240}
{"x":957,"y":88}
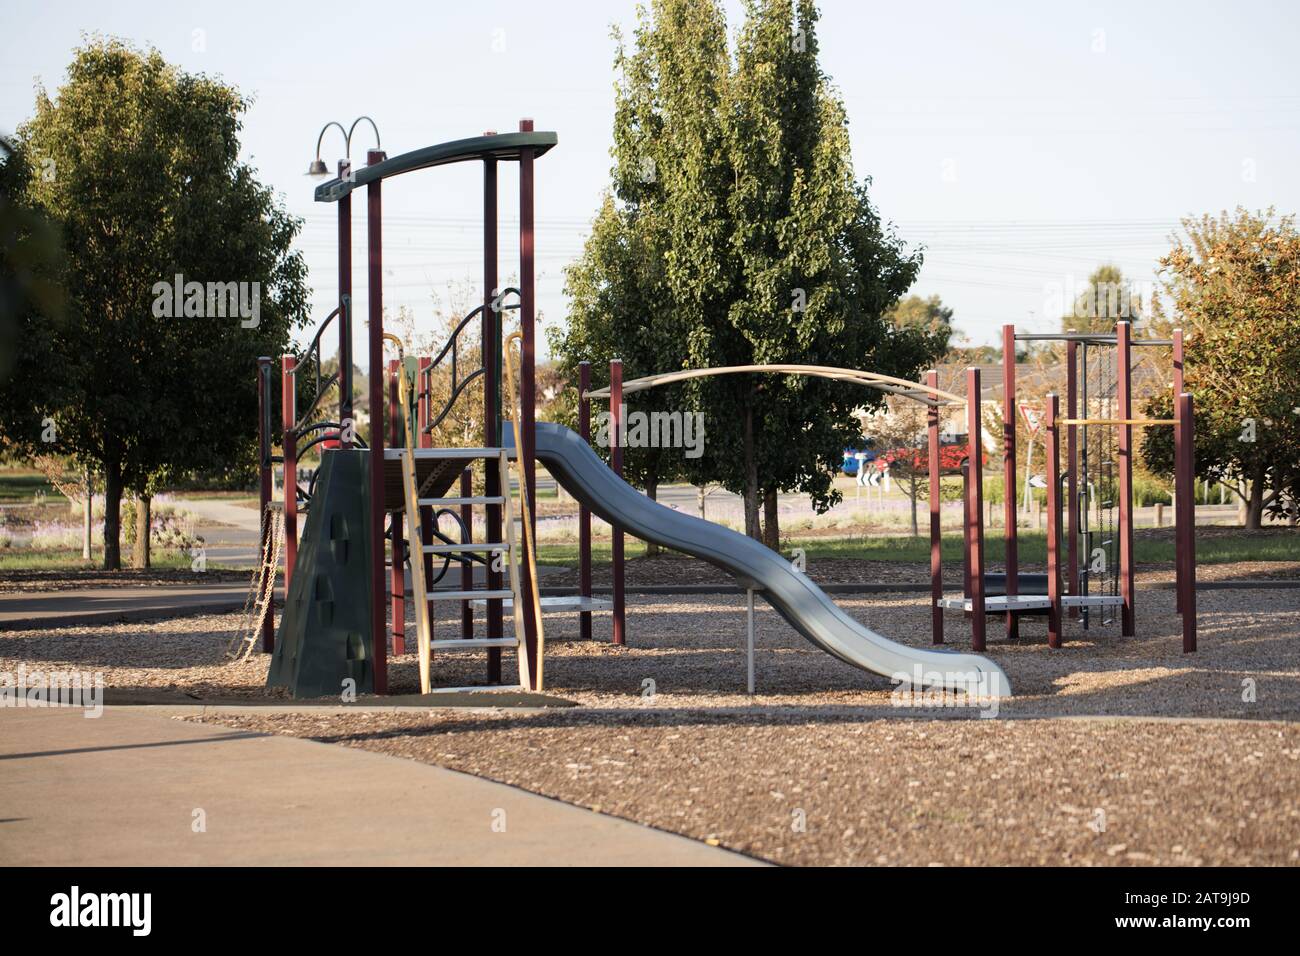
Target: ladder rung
{"x":469,"y":595}
{"x":468,"y":642}
{"x":474,"y":500}
{"x":501,"y":546}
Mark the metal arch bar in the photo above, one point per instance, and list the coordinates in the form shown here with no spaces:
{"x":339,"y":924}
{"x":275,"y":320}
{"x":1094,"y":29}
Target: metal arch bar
{"x":885,"y":383}
{"x":460,"y":327}
{"x":451,"y":400}
{"x":320,"y":393}
{"x":502,"y":146}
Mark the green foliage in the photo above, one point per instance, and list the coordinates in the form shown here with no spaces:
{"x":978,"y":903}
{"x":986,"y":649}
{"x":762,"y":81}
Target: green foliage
{"x":736,"y":233}
{"x":929,"y":315}
{"x":1235,"y":283}
{"x":1107,"y":299}
{"x":139,"y":164}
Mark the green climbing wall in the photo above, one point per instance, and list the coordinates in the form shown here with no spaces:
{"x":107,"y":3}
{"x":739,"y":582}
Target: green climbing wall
{"x":324,"y":637}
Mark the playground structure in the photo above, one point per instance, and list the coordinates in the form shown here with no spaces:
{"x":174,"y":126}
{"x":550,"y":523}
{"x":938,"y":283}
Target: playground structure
{"x":336,"y":626}
{"x":1097,"y":574}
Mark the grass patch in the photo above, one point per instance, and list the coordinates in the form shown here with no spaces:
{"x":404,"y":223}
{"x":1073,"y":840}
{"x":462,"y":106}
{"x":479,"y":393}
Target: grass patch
{"x":27,"y":559}
{"x":1220,"y":548}
{"x":22,"y":486}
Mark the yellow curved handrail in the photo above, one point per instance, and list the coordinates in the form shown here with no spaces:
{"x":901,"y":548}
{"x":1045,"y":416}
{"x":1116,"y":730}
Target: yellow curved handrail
{"x":885,"y":383}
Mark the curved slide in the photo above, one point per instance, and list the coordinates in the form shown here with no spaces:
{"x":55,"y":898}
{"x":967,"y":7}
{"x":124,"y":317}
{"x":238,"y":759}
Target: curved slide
{"x":801,"y":602}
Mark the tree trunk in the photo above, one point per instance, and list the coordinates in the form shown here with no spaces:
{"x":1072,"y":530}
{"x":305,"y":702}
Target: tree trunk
{"x":913,"y":492}
{"x":752,"y":528}
{"x":112,"y":517}
{"x":87,"y":517}
{"x":1255,"y":502}
{"x":771,"y":520}
{"x":142,"y":526}
{"x":652,"y":549}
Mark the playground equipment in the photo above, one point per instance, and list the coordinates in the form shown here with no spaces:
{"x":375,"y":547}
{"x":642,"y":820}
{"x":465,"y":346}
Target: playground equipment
{"x":335,"y":630}
{"x":760,"y":570}
{"x":335,"y":625}
{"x":1097,"y":574}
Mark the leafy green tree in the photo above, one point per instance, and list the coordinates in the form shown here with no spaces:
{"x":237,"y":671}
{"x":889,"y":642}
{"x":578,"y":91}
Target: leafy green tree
{"x":928,"y":315}
{"x":738,"y":234}
{"x":138,"y":162}
{"x":1108,"y":298}
{"x":1235,"y":286}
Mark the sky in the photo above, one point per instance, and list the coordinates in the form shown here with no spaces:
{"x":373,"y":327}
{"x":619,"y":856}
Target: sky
{"x":1020,"y":144}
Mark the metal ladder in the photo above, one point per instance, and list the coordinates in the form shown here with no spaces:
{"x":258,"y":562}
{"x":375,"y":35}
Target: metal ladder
{"x":423,"y":595}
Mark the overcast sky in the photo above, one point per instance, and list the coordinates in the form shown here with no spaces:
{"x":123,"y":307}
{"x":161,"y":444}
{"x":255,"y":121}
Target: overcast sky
{"x":1021,"y":143}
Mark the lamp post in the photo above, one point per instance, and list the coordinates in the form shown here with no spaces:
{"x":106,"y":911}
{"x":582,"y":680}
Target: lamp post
{"x":318,"y":169}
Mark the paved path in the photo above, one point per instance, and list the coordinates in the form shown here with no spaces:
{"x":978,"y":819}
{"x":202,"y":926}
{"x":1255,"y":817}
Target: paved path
{"x":127,"y":788}
{"x":34,"y":609}
{"x":232,"y":537}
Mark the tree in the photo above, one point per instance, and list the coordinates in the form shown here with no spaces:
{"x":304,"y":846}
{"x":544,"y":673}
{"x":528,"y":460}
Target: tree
{"x":928,"y":315}
{"x":1234,"y":282}
{"x":1107,"y":299}
{"x":737,"y":234}
{"x":655,"y":263}
{"x":139,"y":164}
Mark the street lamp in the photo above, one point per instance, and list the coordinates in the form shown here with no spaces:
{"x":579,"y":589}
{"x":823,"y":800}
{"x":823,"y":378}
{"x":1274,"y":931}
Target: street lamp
{"x":318,"y":167}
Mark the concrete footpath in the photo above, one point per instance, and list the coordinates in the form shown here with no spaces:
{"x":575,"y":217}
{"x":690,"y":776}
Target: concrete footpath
{"x":132,"y":787}
{"x":24,"y":610}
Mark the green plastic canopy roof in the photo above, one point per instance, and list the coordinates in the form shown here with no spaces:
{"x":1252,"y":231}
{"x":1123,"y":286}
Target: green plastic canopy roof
{"x":503,"y":146}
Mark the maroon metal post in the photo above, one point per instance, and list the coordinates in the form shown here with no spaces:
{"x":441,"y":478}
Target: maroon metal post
{"x":527,"y":322}
{"x":975,"y":511}
{"x":1053,"y":450}
{"x":467,"y":569}
{"x":491,"y":352}
{"x":1009,"y":510}
{"x":584,"y":513}
{"x":616,"y":463}
{"x":1180,"y":570}
{"x":965,"y":533}
{"x":1072,"y":472}
{"x":375,"y":279}
{"x":398,"y":575}
{"x":936,"y":551}
{"x":289,"y":418}
{"x":345,"y":303}
{"x":264,"y":488}
{"x":1185,"y":476}
{"x":527,"y":385}
{"x":1124,"y":385}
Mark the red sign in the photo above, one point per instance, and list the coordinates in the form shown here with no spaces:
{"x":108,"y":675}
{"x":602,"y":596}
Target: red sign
{"x":1031,"y":416}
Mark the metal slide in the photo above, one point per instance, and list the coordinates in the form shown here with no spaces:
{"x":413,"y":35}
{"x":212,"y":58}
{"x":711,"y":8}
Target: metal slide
{"x":801,"y":602}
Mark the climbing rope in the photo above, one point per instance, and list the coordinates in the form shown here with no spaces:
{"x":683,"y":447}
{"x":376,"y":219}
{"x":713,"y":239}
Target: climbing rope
{"x":261,"y":589}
